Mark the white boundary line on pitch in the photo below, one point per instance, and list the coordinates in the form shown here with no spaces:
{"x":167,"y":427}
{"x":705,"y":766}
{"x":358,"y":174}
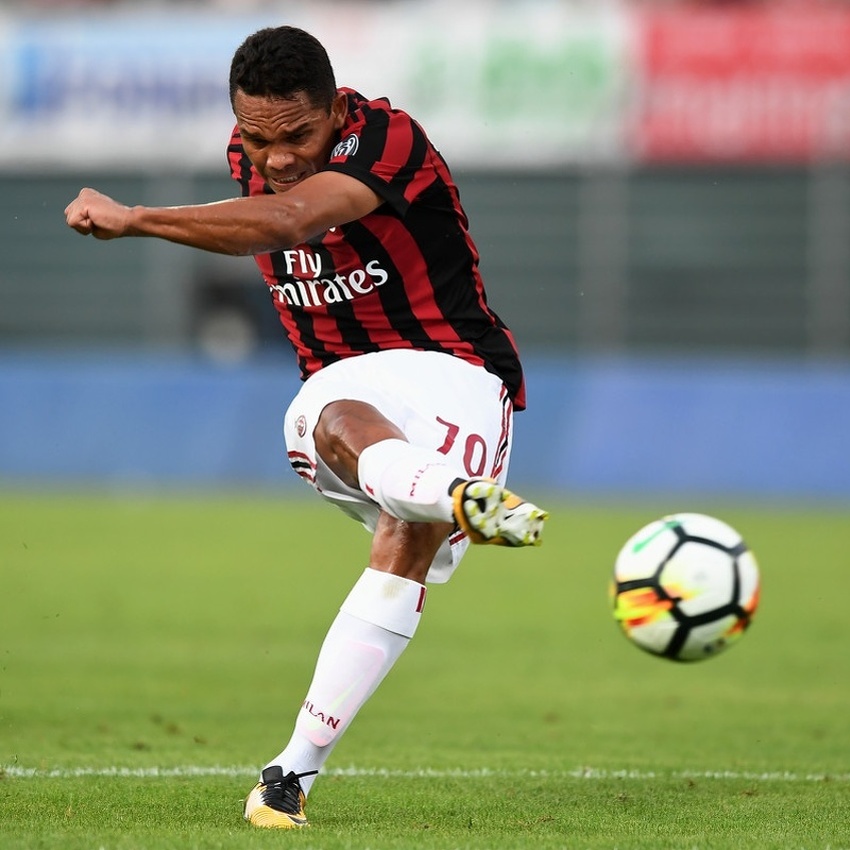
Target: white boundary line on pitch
{"x":17,"y":772}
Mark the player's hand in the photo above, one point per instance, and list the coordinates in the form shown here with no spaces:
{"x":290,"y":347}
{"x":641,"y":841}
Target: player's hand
{"x":93,"y":213}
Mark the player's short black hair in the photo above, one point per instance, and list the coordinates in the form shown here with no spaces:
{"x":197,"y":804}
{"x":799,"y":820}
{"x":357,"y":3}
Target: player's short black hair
{"x":281,"y":62}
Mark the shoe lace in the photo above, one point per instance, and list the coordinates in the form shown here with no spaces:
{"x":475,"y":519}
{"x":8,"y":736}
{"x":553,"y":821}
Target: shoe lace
{"x":283,"y":793}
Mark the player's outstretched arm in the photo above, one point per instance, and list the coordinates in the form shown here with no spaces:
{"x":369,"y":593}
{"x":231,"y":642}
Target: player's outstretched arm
{"x":238,"y":226}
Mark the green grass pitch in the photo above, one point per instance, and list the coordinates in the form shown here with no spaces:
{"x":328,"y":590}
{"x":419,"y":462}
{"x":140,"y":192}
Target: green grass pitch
{"x":154,"y":651}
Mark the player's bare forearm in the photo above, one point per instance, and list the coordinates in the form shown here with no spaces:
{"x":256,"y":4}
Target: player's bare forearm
{"x":238,"y":226}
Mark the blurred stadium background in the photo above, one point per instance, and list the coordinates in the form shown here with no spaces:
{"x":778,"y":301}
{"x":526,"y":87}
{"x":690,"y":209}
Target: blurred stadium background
{"x":660,"y":192}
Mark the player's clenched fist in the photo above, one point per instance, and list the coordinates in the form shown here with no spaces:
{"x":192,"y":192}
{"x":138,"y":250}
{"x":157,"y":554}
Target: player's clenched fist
{"x":96,"y":214}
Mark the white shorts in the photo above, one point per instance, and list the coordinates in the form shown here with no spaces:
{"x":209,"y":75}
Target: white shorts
{"x":438,"y":401}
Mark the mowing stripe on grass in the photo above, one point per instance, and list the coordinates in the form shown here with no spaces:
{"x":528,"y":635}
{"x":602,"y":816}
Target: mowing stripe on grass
{"x":16,"y":772}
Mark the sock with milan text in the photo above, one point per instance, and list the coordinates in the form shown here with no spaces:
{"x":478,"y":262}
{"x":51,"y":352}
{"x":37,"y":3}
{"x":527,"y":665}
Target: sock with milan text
{"x":372,"y":629}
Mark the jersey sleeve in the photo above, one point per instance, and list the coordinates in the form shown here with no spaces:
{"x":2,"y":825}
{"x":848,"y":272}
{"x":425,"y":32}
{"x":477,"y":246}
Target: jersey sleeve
{"x":389,"y":152}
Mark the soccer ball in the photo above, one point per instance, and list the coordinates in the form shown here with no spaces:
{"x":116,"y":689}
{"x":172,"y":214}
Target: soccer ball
{"x":685,"y":587}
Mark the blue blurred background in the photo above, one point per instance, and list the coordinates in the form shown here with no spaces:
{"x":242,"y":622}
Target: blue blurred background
{"x":660,"y":193}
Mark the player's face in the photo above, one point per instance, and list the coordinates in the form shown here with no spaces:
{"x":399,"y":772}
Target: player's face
{"x":287,"y":140}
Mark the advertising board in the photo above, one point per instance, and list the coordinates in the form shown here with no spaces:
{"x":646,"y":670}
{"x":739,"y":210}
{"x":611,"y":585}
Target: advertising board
{"x":535,"y":85}
{"x":528,"y":85}
{"x":759,"y":84}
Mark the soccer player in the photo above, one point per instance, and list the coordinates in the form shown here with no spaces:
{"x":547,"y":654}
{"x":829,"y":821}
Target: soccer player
{"x":410,"y":380}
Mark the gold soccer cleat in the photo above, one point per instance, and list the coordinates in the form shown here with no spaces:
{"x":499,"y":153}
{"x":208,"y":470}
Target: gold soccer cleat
{"x":277,"y":801}
{"x":489,"y":513}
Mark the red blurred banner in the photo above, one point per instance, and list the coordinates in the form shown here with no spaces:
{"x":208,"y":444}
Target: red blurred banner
{"x":743,"y":85}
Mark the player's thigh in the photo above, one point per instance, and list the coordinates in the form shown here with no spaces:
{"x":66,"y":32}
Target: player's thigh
{"x":461,"y":411}
{"x":437,"y":401}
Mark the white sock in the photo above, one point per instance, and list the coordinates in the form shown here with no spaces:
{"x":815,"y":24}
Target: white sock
{"x":407,"y":481}
{"x":372,"y":629}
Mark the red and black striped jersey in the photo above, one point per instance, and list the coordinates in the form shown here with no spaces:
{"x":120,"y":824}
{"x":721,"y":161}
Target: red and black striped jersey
{"x":404,"y":276}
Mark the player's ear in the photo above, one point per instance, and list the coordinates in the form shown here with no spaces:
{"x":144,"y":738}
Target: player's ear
{"x":339,"y":110}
